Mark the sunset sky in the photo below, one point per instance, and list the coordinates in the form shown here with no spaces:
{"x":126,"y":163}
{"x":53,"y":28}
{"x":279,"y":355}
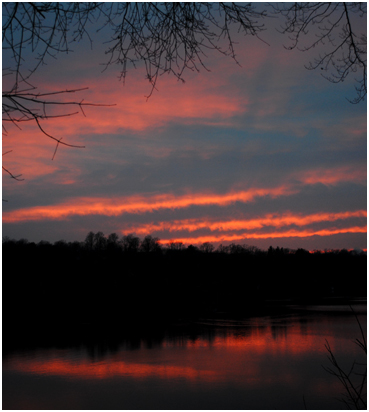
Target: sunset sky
{"x":262,"y":153}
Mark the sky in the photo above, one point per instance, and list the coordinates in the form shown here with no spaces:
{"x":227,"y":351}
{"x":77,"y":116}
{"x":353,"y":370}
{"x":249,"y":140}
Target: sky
{"x":264,"y":153}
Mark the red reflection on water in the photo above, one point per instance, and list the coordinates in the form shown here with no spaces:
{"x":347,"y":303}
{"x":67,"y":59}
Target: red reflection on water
{"x":103,"y":370}
{"x":229,"y":357}
{"x":271,"y":340}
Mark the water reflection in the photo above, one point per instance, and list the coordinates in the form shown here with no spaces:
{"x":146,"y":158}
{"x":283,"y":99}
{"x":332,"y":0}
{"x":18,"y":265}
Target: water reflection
{"x":59,"y":365}
{"x":278,"y":358}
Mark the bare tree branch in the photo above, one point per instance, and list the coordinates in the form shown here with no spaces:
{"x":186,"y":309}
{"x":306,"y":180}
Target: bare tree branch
{"x":344,"y":45}
{"x":166,"y":38}
{"x":11,"y":174}
{"x":354,"y":380}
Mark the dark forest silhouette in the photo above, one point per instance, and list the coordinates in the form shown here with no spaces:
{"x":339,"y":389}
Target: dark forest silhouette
{"x":112,"y":279}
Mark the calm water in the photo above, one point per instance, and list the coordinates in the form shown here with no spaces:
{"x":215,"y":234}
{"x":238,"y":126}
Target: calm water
{"x":257,"y":363}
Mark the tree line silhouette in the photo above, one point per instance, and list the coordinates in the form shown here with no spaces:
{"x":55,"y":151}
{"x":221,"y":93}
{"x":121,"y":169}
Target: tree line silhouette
{"x":125,"y":280}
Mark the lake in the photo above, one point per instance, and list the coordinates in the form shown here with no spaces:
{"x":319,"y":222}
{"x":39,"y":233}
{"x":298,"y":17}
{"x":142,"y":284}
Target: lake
{"x":265,"y":362}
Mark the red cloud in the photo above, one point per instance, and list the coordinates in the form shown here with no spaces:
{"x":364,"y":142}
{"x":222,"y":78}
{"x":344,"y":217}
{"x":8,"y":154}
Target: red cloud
{"x":333,"y":176}
{"x":137,"y":204}
{"x":274,"y":220}
{"x":267,"y":235}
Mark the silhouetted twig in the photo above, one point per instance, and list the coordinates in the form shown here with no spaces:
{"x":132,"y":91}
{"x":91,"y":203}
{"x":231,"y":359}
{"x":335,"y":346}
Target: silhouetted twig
{"x":354,"y":392}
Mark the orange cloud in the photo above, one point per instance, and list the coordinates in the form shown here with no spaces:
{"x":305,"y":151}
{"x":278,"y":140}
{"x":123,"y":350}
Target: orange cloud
{"x":137,"y":204}
{"x":266,"y":235}
{"x":275,"y":220}
{"x":199,"y":101}
{"x":27,"y":154}
{"x":196,"y":101}
{"x":333,"y":176}
{"x":31,"y":153}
